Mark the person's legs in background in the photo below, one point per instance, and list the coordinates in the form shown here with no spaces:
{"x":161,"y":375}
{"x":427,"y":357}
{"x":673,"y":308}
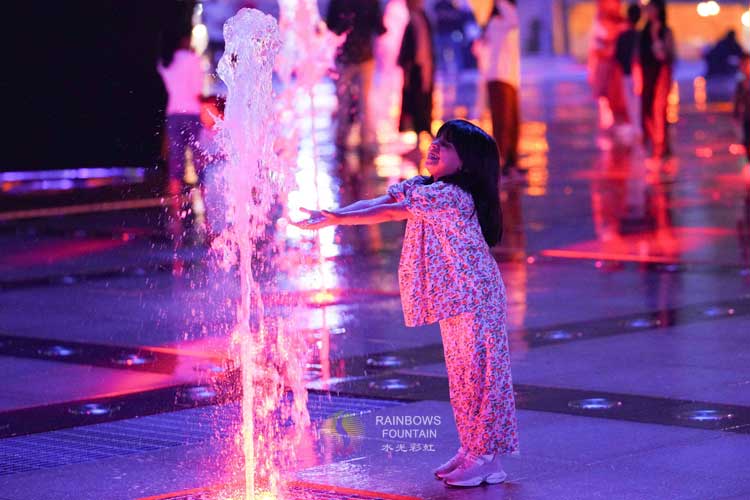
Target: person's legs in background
{"x":368,"y":133}
{"x":182,"y":134}
{"x":345,"y":107}
{"x":504,"y":109}
{"x":633,"y":106}
{"x":513,"y":124}
{"x":659,"y":116}
{"x":647,"y":112}
{"x":176,"y":146}
{"x":495,"y":100}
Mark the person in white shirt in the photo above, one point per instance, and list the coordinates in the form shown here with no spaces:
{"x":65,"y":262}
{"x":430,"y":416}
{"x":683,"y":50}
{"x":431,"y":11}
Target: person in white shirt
{"x":503,"y":76}
{"x":183,"y":78}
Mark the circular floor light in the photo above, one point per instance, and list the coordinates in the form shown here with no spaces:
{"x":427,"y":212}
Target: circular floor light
{"x":57,"y":351}
{"x":92,"y":409}
{"x":197,"y":393}
{"x":393,"y":384}
{"x":704,"y":415}
{"x":133,"y":359}
{"x":716,"y":312}
{"x":644,"y":323}
{"x":595,"y":404}
{"x":558,"y":335}
{"x":384,"y":361}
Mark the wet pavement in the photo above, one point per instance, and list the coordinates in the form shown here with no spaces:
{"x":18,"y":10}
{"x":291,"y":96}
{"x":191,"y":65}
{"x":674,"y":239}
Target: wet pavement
{"x":629,"y":291}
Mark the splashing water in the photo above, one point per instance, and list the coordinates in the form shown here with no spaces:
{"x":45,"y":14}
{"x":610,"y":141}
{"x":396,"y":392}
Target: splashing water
{"x":307,"y":55}
{"x":257,"y":182}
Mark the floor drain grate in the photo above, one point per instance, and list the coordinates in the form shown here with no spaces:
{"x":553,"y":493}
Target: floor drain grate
{"x":306,"y":493}
{"x":155,"y":432}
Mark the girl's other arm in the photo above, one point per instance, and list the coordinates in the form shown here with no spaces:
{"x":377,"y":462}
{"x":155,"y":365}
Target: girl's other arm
{"x":361,"y":204}
{"x":370,"y":215}
{"x":373,"y":215}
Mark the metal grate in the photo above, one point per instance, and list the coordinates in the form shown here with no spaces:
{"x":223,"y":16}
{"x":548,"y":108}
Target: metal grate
{"x":155,"y":432}
{"x":296,"y":493}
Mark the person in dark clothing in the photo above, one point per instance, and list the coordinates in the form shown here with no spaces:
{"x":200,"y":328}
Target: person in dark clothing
{"x":723,"y":58}
{"x":450,"y":23}
{"x":624,"y":52}
{"x":626,"y":41}
{"x":654,"y":59}
{"x":362,"y":21}
{"x":417,"y":60}
{"x":742,"y":102}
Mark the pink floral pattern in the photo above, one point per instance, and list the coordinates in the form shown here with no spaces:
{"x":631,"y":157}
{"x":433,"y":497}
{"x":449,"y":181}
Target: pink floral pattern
{"x":481,"y":389}
{"x":446,"y":267}
{"x":448,"y":274}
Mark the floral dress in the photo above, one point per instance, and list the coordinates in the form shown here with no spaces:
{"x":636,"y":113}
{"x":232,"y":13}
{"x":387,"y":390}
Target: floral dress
{"x":448,"y":275}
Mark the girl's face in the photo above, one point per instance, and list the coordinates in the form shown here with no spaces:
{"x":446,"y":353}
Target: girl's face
{"x":652,"y":13}
{"x":442,"y":159}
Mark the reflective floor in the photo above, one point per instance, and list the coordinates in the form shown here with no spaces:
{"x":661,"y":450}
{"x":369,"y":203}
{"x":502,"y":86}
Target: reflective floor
{"x":629,"y":296}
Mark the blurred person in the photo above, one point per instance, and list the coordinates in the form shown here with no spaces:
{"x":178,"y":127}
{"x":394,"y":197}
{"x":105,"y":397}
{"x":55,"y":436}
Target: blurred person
{"x":724,"y":57}
{"x":652,"y":74}
{"x":417,"y":60}
{"x":389,"y":77}
{"x":183,"y":78}
{"x":742,"y":103}
{"x":624,"y":54}
{"x":362,"y":21}
{"x":503,"y":76}
{"x":451,"y":22}
{"x":601,"y":63}
{"x":479,"y":51}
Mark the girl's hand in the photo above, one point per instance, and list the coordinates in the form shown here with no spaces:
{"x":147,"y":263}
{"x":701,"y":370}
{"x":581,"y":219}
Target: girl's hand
{"x":317,"y":219}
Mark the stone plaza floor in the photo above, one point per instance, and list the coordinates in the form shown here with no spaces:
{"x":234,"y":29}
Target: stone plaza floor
{"x":628,"y":282}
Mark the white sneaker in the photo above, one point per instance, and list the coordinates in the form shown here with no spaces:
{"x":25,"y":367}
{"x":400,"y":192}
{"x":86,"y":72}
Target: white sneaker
{"x":450,"y":465}
{"x":475,"y":470}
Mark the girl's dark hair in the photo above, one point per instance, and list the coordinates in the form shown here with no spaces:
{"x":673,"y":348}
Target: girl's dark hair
{"x":479,"y":174}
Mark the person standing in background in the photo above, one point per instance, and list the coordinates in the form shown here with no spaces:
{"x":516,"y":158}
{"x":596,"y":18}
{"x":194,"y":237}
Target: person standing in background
{"x":652,"y":72}
{"x":742,"y":102}
{"x":624,"y":53}
{"x":362,"y":21}
{"x":389,"y":77}
{"x":601,"y":63}
{"x":183,"y":78}
{"x":417,"y":60}
{"x":503,"y":75}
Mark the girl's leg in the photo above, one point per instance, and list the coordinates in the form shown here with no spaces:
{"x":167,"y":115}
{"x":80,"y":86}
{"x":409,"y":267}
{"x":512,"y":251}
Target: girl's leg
{"x":481,"y":389}
{"x":455,"y":353}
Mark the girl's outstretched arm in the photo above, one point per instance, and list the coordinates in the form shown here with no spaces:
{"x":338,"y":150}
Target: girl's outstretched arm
{"x":374,"y":214}
{"x":359,"y":205}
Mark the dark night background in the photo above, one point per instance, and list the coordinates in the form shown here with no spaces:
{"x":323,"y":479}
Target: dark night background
{"x":80,"y":86}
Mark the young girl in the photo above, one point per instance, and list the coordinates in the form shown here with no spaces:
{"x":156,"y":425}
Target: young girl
{"x":448,"y":274}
